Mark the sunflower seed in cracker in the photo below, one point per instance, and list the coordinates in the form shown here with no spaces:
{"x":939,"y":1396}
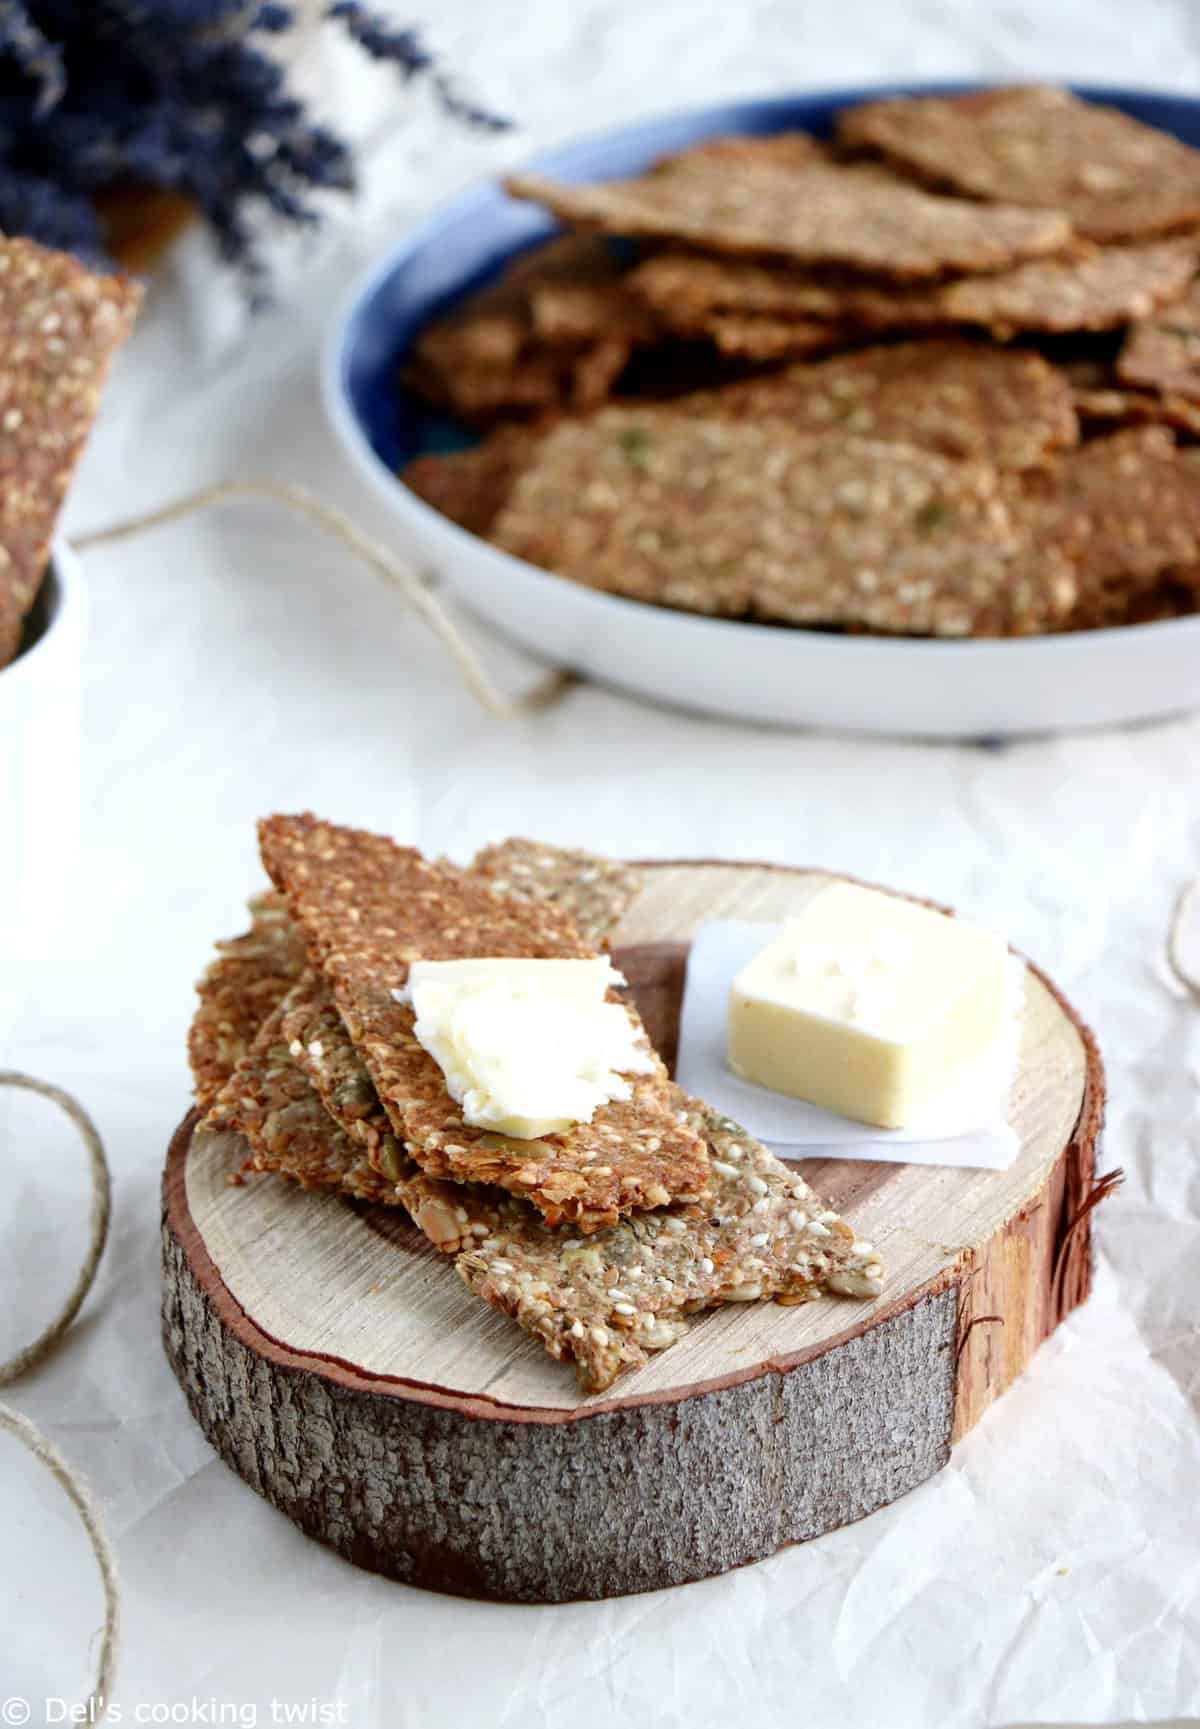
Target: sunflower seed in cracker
{"x":817,"y":211}
{"x":1039,"y":146}
{"x":595,"y":892}
{"x":752,"y":519}
{"x":367,"y":908}
{"x":248,"y":979}
{"x":959,"y":398}
{"x":60,"y":325}
{"x":1163,"y":352}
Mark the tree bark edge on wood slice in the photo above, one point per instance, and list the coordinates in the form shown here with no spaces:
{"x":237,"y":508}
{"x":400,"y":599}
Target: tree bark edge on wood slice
{"x":479,"y":1498}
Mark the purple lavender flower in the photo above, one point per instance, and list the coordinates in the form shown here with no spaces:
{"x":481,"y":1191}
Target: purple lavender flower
{"x":176,"y":94}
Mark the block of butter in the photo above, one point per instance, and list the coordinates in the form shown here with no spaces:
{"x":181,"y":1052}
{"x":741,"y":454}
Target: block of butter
{"x":527,"y":1047}
{"x":868,"y":1005}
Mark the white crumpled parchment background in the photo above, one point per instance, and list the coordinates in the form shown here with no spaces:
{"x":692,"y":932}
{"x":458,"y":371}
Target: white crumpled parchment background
{"x":236,"y":664}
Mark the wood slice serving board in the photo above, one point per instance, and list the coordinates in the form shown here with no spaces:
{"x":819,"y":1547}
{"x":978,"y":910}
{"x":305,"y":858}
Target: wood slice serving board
{"x":338,"y":1365}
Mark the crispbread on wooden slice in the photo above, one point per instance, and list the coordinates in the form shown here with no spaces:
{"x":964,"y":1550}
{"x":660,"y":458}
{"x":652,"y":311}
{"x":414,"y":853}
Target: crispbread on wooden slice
{"x":751,"y":519}
{"x":60,"y":325}
{"x":367,"y":908}
{"x":816,"y":211}
{"x":1039,"y":146}
{"x":750,"y":307}
{"x":602,"y":1301}
{"x":248,"y":979}
{"x":269,"y":1101}
{"x":317,"y":1040}
{"x":957,"y":398}
{"x":595,"y":892}
{"x":605,"y":1301}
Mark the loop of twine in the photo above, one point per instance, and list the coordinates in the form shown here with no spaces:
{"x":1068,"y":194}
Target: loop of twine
{"x":340,"y":527}
{"x":1187,"y":908}
{"x":27,"y":1433}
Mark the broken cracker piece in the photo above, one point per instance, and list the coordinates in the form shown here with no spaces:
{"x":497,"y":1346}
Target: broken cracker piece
{"x":595,"y":892}
{"x":554,"y":330}
{"x":367,"y":908}
{"x":472,"y":486}
{"x":60,"y":325}
{"x":752,"y":308}
{"x":1129,"y":505}
{"x":816,"y":211}
{"x":1163,"y":352}
{"x":269,"y":1101}
{"x":248,"y":979}
{"x":1039,"y":146}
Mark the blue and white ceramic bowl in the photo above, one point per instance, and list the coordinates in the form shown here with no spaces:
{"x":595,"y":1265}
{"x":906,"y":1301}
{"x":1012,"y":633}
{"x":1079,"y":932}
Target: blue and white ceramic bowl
{"x":751,"y":671}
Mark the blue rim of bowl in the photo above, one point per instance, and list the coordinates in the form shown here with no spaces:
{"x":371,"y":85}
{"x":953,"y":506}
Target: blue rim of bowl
{"x":562,"y":159}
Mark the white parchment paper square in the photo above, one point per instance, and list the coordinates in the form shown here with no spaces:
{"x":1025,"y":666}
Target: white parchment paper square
{"x":967,"y":1126}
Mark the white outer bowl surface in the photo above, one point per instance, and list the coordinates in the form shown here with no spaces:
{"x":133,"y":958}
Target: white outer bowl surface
{"x":39,"y":787}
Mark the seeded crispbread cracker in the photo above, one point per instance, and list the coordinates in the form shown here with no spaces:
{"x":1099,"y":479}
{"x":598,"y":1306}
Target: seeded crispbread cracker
{"x":959,"y":398}
{"x":367,"y":908}
{"x":318,"y":1042}
{"x":60,"y":325}
{"x":754,"y":520}
{"x":1108,"y":408}
{"x":595,"y":892}
{"x":813,"y":210}
{"x":606,"y":1301}
{"x":556,"y":329}
{"x":1037,"y":145}
{"x":1130,"y":506}
{"x":1163,"y":353}
{"x":471,"y":486}
{"x":750,"y":307}
{"x":269,"y":1101}
{"x":240,"y":988}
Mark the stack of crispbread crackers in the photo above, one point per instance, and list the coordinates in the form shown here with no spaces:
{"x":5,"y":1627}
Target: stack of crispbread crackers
{"x":60,"y":325}
{"x":924,"y":378}
{"x":599,"y":1241}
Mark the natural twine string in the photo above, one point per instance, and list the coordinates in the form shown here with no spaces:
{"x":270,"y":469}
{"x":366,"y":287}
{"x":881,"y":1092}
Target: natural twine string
{"x":1187,"y":908}
{"x":336,"y":523}
{"x":30,"y":1436}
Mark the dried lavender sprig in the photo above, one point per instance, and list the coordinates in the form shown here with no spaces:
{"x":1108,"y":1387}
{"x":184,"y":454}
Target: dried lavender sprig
{"x":174,"y":94}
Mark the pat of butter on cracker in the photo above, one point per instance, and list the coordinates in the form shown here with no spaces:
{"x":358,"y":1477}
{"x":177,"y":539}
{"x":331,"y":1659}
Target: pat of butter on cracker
{"x":527,"y":1047}
{"x":868,"y":1005}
